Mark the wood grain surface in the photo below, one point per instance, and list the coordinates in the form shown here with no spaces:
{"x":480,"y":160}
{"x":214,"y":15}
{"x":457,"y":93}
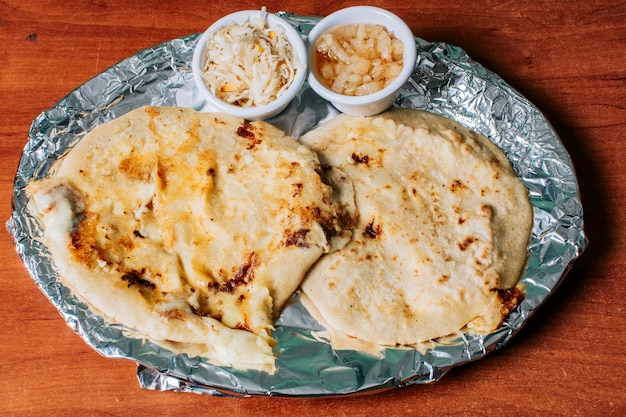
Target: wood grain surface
{"x":568,"y":57}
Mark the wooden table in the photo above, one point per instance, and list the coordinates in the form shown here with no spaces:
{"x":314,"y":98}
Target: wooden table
{"x":569,"y":58}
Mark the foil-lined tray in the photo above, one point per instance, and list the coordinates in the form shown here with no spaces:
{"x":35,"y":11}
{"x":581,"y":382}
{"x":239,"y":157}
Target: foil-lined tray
{"x":446,"y":81}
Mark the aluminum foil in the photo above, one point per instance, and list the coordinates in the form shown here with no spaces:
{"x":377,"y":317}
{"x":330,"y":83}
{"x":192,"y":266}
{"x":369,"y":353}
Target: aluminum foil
{"x":447,"y":82}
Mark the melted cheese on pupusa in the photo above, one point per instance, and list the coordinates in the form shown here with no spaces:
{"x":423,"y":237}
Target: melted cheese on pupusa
{"x":191,"y":228}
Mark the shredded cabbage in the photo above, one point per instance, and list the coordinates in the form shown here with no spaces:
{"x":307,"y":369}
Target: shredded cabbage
{"x":248,"y":64}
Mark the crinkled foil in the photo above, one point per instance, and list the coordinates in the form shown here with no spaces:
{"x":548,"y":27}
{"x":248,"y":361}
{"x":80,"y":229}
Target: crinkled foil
{"x":447,"y":82}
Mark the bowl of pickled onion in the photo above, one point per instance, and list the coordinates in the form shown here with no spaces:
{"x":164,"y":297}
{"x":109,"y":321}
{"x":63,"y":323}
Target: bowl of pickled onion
{"x":359,"y":58}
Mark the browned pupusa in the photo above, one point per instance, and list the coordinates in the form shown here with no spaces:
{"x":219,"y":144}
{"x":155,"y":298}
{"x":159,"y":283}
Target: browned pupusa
{"x":193,"y":228}
{"x":442,"y":236}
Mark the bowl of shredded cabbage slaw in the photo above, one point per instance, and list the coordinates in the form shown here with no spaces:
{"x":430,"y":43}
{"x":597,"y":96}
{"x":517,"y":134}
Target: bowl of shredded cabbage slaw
{"x":250,"y":64}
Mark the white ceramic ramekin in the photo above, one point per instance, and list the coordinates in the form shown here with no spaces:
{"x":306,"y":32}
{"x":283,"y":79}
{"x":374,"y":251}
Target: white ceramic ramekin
{"x":260,"y":112}
{"x":377,"y":102}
